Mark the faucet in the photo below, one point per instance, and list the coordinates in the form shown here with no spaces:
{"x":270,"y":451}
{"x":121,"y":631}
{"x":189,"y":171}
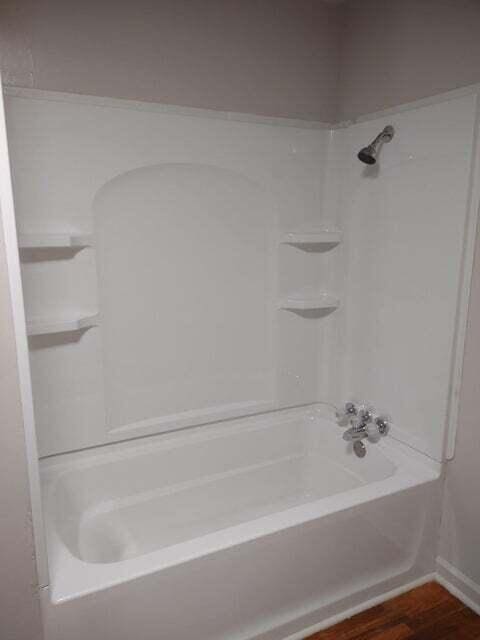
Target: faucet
{"x":363,"y":424}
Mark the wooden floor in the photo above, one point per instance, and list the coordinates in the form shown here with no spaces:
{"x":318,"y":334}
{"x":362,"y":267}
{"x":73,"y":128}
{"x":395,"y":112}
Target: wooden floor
{"x":426,"y":613}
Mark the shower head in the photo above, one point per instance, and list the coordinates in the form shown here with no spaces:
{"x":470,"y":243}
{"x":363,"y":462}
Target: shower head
{"x":368,"y":155}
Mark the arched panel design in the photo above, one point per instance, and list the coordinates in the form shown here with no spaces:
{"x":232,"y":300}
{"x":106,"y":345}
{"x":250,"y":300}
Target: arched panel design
{"x":186,"y":292}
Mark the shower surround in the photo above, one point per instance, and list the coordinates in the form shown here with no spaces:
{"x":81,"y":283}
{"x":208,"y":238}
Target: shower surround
{"x":184,"y":270}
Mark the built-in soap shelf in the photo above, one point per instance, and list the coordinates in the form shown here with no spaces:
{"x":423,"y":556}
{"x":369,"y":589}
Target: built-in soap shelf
{"x":311,"y":240}
{"x":54,"y":240}
{"x":56,"y":244}
{"x":43,"y":326}
{"x":310,"y":302}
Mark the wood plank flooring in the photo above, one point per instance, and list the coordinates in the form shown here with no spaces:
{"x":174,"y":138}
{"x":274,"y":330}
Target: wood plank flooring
{"x":426,"y":613}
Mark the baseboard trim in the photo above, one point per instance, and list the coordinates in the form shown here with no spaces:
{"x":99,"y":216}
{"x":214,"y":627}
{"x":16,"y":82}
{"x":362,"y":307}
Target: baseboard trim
{"x":300,"y":626}
{"x":368,"y":604}
{"x":458,"y":584}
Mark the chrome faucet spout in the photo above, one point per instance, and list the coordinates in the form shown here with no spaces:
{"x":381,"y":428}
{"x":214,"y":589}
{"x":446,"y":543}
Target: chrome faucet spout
{"x":355,"y":433}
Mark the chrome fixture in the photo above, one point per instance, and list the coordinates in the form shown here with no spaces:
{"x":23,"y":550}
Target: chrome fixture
{"x":368,"y":155}
{"x":360,"y":449}
{"x":363,"y":424}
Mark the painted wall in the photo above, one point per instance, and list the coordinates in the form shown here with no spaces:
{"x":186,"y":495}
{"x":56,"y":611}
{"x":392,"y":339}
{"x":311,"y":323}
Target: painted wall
{"x":296,"y":58}
{"x":275,"y":57}
{"x":19,"y":604}
{"x":460,"y":536}
{"x":399,"y":51}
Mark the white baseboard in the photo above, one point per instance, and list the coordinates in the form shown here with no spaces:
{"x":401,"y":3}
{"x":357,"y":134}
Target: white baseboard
{"x":458,"y":584}
{"x":368,"y":604}
{"x":326,"y":614}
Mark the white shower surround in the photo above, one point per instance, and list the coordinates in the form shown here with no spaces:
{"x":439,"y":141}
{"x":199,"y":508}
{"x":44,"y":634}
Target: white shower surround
{"x":410,"y":222}
{"x":433,"y":134}
{"x":293,"y":180}
{"x":187,"y":267}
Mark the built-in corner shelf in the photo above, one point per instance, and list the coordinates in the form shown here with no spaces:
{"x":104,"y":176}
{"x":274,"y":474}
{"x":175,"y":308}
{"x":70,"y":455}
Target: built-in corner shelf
{"x":319,"y":302}
{"x":54,"y":240}
{"x":43,"y":326}
{"x":312,"y":240}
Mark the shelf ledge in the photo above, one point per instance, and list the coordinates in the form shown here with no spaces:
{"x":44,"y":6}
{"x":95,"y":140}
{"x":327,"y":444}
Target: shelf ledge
{"x":322,"y":301}
{"x":43,"y":326}
{"x":311,"y":239}
{"x":54,"y":240}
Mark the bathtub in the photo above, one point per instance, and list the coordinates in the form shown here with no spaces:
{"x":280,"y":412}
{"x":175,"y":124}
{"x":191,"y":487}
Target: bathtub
{"x":267,"y":527}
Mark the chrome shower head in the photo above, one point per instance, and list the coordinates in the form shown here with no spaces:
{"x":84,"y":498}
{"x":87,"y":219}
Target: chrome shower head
{"x":368,"y":155}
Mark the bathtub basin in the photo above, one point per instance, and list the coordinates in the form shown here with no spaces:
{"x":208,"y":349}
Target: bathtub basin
{"x":150,"y":509}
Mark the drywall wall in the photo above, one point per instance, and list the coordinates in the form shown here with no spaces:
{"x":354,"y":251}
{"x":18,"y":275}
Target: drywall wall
{"x":298,"y":58}
{"x":399,"y":51}
{"x":461,"y":514}
{"x":19,"y":604}
{"x":275,"y":57}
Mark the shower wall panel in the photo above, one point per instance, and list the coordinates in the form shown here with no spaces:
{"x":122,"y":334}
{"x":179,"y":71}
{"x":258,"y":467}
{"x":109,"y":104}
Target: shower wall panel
{"x":185,"y":268}
{"x":188,"y":268}
{"x":407,"y":221}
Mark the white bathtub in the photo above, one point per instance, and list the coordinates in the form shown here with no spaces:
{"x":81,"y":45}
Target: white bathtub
{"x":257,"y":528}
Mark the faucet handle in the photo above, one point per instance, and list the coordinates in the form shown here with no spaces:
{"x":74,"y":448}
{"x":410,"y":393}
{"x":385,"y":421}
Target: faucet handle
{"x":347,"y":414}
{"x":378,"y":428}
{"x":351,"y":408}
{"x":363,"y":418}
{"x":365,"y":414}
{"x":383,"y":424}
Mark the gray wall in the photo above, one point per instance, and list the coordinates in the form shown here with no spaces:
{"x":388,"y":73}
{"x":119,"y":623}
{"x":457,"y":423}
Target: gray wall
{"x":270,"y":57}
{"x":296,"y":58}
{"x":395,"y":51}
{"x":19,"y":605}
{"x":460,"y":535}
